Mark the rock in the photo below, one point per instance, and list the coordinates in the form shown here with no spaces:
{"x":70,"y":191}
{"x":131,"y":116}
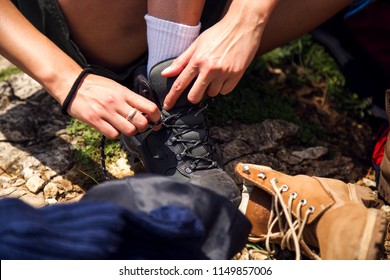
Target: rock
{"x":120,"y":168}
{"x":19,"y":182}
{"x":13,"y":192}
{"x":4,"y":63}
{"x":51,"y":201}
{"x":50,"y":191}
{"x":27,"y":173}
{"x":6,"y":192}
{"x":311,"y":153}
{"x":235,"y":149}
{"x":35,"y":200}
{"x":289,"y":158}
{"x":268,"y":134}
{"x":35,"y":184}
{"x":23,"y":86}
{"x":10,"y":158}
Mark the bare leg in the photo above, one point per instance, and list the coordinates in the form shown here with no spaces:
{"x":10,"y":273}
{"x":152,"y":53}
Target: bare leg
{"x":293,"y":18}
{"x":109,"y":33}
{"x":181,"y":11}
{"x":172,"y":26}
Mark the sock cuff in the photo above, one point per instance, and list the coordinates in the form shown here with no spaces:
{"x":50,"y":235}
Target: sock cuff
{"x":163,"y":25}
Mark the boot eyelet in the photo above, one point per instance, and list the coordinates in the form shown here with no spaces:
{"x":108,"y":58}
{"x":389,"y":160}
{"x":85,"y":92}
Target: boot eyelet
{"x":261,"y":175}
{"x":294,"y":195}
{"x":178,"y":158}
{"x":188,"y":170}
{"x":284,"y":188}
{"x":274,"y":180}
{"x":303,"y":201}
{"x":311,"y":209}
{"x":246,"y":169}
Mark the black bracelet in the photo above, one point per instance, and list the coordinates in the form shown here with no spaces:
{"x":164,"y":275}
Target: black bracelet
{"x":73,"y":90}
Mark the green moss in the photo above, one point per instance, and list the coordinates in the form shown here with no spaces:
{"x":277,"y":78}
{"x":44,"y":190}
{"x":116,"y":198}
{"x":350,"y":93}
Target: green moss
{"x":8,"y":72}
{"x":87,"y":154}
{"x":260,"y":95}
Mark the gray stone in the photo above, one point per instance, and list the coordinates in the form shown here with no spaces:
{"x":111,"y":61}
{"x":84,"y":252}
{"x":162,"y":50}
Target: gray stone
{"x":311,"y":153}
{"x":24,"y":86}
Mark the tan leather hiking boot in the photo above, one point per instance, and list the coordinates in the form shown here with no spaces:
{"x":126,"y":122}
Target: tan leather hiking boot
{"x":301,"y":211}
{"x":384,"y":175}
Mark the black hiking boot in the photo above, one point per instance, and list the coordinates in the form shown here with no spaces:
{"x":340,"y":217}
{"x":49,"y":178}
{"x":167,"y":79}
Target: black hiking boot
{"x":182,"y":148}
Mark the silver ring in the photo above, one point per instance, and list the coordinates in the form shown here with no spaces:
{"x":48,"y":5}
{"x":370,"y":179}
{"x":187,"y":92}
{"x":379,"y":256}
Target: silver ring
{"x":131,"y":114}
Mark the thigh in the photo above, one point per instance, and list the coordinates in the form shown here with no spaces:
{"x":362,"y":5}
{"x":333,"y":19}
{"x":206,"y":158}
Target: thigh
{"x":46,"y":16}
{"x":109,"y":33}
{"x":87,"y":39}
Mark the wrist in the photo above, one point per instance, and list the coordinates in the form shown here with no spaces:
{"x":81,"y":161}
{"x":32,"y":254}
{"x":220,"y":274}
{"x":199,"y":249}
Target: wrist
{"x":58,"y":80}
{"x":73,"y":90}
{"x":249,"y":12}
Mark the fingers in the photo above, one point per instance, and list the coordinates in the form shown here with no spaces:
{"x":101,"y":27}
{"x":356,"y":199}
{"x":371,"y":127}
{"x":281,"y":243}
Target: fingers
{"x":180,"y":84}
{"x":148,"y":115}
{"x":112,"y":109}
{"x":178,"y":65}
{"x":209,"y":78}
{"x":212,"y":82}
{"x":140,"y":116}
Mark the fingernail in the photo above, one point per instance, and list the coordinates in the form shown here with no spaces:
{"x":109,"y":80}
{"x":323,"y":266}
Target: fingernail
{"x":165,"y":106}
{"x":166,"y":70}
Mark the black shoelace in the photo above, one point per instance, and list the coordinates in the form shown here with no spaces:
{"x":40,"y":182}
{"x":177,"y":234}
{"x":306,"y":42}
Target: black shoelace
{"x":199,"y":162}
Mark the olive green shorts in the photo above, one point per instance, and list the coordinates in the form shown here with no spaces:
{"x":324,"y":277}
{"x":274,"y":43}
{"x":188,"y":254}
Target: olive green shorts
{"x":47,"y":17}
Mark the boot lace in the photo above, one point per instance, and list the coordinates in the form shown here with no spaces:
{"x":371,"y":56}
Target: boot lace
{"x":198,"y":162}
{"x":291,"y":227}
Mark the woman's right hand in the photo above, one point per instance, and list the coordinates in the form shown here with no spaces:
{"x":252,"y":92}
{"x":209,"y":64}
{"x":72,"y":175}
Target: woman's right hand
{"x":105,"y":105}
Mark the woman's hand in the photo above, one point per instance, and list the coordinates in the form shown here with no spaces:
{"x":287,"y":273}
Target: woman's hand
{"x":217,"y":60}
{"x":105,"y":105}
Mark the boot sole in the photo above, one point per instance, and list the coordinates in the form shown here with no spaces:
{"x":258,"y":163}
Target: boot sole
{"x":372,"y":245}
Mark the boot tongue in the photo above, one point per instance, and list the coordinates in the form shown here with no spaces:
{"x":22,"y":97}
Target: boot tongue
{"x":189,"y":124}
{"x":162,"y":85}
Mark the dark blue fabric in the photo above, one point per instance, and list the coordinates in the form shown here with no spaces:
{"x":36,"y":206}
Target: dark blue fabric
{"x":97,"y":230}
{"x":139,"y":217}
{"x":226,"y":228}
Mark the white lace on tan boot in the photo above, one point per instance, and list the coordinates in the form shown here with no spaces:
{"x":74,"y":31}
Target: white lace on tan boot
{"x":291,"y":227}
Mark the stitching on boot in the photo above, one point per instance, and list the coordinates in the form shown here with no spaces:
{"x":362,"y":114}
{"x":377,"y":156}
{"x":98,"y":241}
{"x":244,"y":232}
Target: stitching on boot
{"x":328,"y":189}
{"x":353,"y":193}
{"x":245,"y":195}
{"x":367,"y":234}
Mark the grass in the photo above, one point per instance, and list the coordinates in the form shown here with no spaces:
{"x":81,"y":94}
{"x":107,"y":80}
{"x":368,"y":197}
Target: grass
{"x":267,"y":89}
{"x":265,"y":92}
{"x":8,"y":72}
{"x":87,"y":152}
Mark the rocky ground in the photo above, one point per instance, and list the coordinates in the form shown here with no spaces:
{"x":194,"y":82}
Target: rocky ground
{"x":38,"y":165}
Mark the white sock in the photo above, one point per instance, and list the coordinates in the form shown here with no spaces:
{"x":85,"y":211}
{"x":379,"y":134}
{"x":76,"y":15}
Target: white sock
{"x":167,"y":39}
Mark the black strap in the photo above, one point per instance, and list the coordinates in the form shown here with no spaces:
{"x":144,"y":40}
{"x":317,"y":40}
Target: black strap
{"x":73,"y":90}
